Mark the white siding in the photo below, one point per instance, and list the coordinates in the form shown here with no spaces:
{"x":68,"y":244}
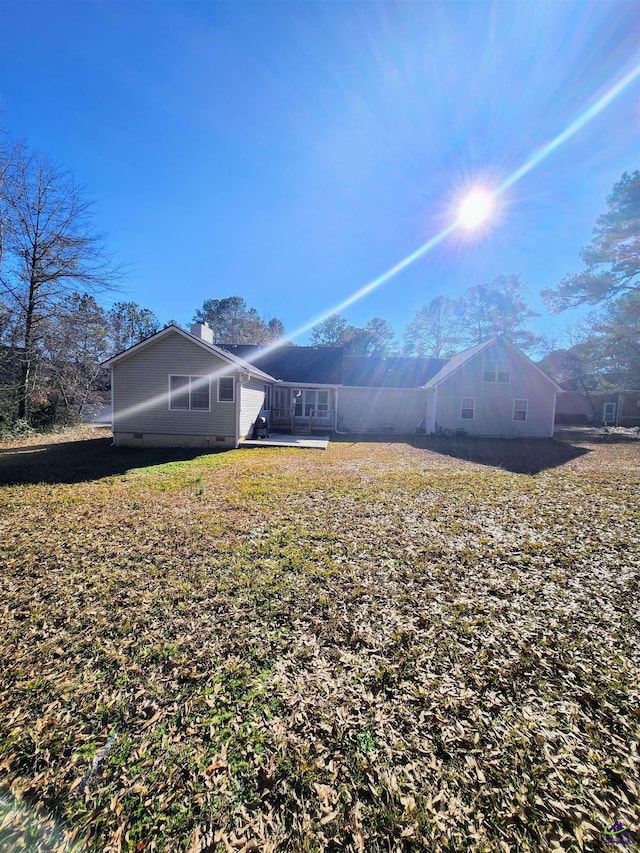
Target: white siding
{"x":493,"y":412}
{"x":251,"y":400}
{"x":140,"y":391}
{"x":381,"y":410}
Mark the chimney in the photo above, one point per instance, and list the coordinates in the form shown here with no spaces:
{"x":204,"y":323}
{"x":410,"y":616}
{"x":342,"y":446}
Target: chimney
{"x":202,"y":331}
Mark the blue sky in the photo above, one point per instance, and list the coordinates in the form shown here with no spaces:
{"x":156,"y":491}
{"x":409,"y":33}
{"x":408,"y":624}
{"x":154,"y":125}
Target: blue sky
{"x":291,"y":152}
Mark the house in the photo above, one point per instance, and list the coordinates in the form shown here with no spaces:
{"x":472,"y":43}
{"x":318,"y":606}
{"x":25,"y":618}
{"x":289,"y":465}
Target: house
{"x":321,"y":390}
{"x":492,"y":389}
{"x":178,"y":388}
{"x":618,"y":406}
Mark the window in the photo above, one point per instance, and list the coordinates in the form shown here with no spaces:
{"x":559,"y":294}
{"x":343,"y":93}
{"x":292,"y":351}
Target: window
{"x":467,"y":407}
{"x":179,"y":392}
{"x":189,"y":393}
{"x":520,"y":410}
{"x":226,"y":385}
{"x":309,"y":402}
{"x":200,"y":394}
{"x":496,"y":371}
{"x":267,"y":398}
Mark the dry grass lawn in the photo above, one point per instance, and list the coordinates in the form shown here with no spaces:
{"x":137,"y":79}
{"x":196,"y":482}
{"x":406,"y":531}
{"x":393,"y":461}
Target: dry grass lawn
{"x":380,"y":647}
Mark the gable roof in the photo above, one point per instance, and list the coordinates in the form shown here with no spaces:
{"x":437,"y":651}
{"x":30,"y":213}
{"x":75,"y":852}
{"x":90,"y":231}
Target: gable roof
{"x":389,"y":371}
{"x":460,"y":359}
{"x":230,"y":358}
{"x":314,"y":365}
{"x":456,"y":362}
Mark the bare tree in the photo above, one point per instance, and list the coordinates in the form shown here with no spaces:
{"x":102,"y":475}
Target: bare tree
{"x":129,"y":324}
{"x":75,"y":343}
{"x":48,"y":251}
{"x":434,"y":329}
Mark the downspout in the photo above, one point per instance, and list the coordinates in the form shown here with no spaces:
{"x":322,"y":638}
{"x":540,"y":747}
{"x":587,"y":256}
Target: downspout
{"x":435,"y":411}
{"x":337,"y":431}
{"x":238,"y":405}
{"x":113,"y":412}
{"x":553,"y":414}
{"x":239,"y":383}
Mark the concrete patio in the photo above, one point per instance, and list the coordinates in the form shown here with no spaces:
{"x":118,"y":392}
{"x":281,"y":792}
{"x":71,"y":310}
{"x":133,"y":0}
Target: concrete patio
{"x":315,"y":442}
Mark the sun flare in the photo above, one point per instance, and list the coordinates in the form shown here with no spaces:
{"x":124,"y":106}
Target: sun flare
{"x":476,"y":207}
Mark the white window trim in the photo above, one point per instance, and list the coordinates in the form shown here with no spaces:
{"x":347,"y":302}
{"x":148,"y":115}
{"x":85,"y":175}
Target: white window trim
{"x":473,"y":408}
{"x":525,"y":410}
{"x":233,"y":386}
{"x":190,"y":378}
{"x":495,"y":367}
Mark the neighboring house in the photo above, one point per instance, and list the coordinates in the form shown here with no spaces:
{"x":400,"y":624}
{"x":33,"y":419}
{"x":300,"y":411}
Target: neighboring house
{"x":616,"y":408}
{"x":606,"y":408}
{"x":621,"y":408}
{"x":177,"y":388}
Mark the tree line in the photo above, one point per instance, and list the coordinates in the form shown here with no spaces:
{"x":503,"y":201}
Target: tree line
{"x":442,"y":326}
{"x":54,"y":333}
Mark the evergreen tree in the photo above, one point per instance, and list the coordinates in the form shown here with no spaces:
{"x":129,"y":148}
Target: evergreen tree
{"x":233,"y":322}
{"x":611,"y":280}
{"x":330,"y":332}
{"x":612,"y":259}
{"x":487,"y":310}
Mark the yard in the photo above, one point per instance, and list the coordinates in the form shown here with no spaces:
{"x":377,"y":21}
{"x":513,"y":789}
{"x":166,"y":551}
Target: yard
{"x":380,"y":647}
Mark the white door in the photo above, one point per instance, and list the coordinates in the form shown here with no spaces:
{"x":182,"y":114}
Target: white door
{"x":282,"y":407}
{"x":609,"y":414}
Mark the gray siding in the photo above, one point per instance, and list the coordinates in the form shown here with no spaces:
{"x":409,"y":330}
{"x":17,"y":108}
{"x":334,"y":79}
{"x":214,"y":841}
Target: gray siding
{"x":493,"y":415}
{"x":381,"y":409}
{"x":140,"y":391}
{"x":251,"y":401}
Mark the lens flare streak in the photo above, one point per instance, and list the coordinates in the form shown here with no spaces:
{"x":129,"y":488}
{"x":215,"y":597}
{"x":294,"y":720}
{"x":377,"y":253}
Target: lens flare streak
{"x":571,"y":130}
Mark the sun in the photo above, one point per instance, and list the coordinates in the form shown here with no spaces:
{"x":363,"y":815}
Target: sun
{"x":475,"y":208}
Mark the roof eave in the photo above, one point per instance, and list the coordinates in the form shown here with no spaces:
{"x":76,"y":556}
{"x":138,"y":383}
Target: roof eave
{"x":230,"y":358}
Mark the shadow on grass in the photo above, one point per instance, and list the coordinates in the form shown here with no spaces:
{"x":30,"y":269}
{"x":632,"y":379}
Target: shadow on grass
{"x":518,"y":455}
{"x":82,"y":460}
